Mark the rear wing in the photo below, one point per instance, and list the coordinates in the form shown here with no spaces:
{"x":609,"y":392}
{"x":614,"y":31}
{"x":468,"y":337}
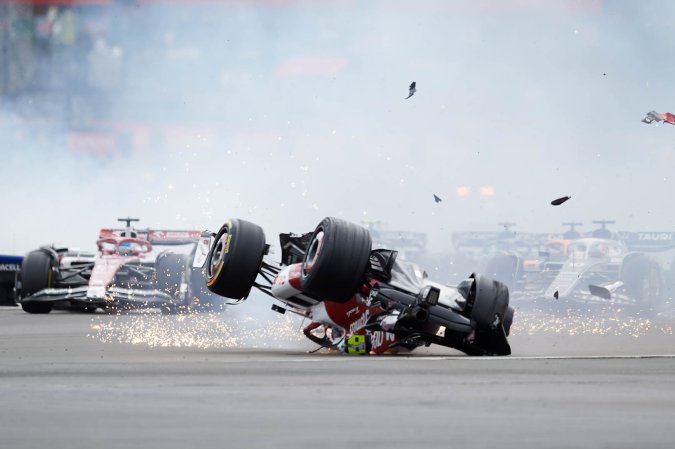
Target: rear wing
{"x":158,"y":236}
{"x":648,"y":241}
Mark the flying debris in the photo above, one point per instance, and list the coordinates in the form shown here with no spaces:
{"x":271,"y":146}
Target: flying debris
{"x":559,"y":201}
{"x":555,"y":294}
{"x":412,"y":90}
{"x":657,"y":117}
{"x":437,"y":199}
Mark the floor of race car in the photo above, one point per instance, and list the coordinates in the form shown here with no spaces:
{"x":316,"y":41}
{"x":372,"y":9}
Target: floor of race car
{"x":72,"y":380}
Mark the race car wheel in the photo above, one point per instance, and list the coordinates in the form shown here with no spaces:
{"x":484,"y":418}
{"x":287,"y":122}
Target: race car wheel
{"x":643,"y":280}
{"x":37,"y":273}
{"x":5,"y":296}
{"x":504,"y":268}
{"x":487,"y":301}
{"x":36,"y":307}
{"x":235,"y":259}
{"x":336,"y":260}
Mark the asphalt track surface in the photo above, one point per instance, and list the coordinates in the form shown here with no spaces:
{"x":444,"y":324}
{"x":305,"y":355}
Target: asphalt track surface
{"x":73,"y":380}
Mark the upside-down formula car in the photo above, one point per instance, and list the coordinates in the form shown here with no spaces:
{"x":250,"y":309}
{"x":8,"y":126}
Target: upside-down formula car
{"x":359,"y":300}
{"x":132,"y":269}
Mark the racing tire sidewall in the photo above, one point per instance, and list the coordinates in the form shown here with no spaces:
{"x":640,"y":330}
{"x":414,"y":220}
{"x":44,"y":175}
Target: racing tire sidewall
{"x":37,"y":272}
{"x":36,"y":307}
{"x":334,"y":268}
{"x":488,"y":300}
{"x":234,"y":259}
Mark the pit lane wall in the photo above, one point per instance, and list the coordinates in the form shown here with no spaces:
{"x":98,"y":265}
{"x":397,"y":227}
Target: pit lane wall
{"x":9,"y":265}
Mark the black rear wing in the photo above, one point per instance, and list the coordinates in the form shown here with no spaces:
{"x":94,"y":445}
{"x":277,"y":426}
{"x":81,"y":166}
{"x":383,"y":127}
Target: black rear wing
{"x":648,"y":241}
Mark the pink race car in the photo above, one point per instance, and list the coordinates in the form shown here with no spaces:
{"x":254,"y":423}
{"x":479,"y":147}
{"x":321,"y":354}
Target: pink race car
{"x":132,"y":269}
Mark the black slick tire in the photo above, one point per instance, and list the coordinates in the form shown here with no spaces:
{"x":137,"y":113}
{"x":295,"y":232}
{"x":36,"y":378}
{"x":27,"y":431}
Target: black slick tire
{"x":235,"y":258}
{"x":38,"y":270}
{"x":487,"y":301}
{"x":336,"y":260}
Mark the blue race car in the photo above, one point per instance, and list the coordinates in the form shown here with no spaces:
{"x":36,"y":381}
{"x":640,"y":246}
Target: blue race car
{"x":9,"y":267}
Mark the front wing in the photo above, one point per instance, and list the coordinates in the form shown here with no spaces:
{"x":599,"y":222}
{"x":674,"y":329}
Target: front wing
{"x":114,"y":297}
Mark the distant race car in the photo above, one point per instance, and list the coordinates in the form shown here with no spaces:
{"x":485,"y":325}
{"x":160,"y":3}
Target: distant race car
{"x":132,"y":269}
{"x":658,"y":117}
{"x":9,"y":267}
{"x":585,"y":271}
{"x":359,"y":300}
{"x":474,"y":249}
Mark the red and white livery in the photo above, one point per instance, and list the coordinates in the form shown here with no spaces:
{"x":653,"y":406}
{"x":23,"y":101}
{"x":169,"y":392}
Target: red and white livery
{"x":659,"y":117}
{"x":132,"y":268}
{"x":359,"y":300}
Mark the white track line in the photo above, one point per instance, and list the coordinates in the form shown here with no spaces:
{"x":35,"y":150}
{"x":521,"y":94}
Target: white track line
{"x":550,"y":357}
{"x":344,"y":358}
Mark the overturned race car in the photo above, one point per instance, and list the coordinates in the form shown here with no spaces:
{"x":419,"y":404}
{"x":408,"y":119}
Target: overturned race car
{"x":359,"y":300}
{"x":133,"y":269}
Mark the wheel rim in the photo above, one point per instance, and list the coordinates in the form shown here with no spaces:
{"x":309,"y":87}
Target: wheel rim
{"x":312,"y":253}
{"x":218,"y":255}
